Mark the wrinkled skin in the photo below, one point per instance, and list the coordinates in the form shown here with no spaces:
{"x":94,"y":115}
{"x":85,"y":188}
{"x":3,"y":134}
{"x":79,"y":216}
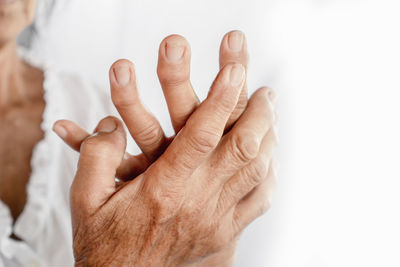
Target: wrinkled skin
{"x":169,"y":216}
{"x":144,"y":128}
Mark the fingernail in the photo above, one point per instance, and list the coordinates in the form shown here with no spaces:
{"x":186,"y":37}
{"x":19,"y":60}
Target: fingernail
{"x":236,"y":75}
{"x":235,"y":41}
{"x":174,"y":52}
{"x":107,"y":126}
{"x":60,"y":131}
{"x":122,"y":75}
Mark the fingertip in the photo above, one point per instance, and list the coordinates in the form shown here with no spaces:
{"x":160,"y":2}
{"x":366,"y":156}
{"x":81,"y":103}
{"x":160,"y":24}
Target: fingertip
{"x":174,"y":39}
{"x":108,"y":139}
{"x":123,"y":84}
{"x":60,"y":129}
{"x":270,"y":93}
{"x":267,"y":95}
{"x":235,"y":31}
{"x":174,"y":49}
{"x":235,"y":40}
{"x":234,"y":49}
{"x":107,"y":125}
{"x":122,"y":73}
{"x":122,"y":62}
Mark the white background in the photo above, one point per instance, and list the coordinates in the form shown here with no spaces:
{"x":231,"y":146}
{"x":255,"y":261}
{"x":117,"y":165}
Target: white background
{"x":336,"y":68}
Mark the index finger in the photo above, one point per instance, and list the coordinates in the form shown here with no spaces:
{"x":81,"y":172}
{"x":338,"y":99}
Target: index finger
{"x":234,"y":50}
{"x":205,"y":127}
{"x":142,"y":125}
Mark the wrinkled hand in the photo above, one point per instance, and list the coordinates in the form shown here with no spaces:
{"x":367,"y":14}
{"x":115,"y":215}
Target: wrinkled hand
{"x":174,"y":75}
{"x":254,"y":114}
{"x":188,"y":204}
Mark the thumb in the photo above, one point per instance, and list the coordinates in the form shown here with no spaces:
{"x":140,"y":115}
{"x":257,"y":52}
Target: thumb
{"x":101,"y":154}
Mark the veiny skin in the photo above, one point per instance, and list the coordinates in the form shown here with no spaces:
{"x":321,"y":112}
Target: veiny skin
{"x":16,"y":100}
{"x":171,"y":216}
{"x":137,"y":117}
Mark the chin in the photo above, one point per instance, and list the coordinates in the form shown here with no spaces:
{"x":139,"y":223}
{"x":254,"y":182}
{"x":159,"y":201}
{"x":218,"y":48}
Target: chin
{"x":15,"y":15}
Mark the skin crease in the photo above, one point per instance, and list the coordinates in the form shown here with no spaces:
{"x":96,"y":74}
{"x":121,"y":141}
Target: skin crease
{"x":21,"y":106}
{"x":21,"y":91}
{"x":169,"y":216}
{"x":128,"y":94}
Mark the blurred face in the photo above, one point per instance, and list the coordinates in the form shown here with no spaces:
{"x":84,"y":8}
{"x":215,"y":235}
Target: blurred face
{"x":15,"y":15}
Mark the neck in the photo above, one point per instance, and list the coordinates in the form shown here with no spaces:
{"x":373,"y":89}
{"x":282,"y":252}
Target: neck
{"x":11,"y":82}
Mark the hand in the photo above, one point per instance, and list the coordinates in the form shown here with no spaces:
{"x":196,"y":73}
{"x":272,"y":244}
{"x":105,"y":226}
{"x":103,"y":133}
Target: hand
{"x":169,"y":215}
{"x":174,"y":76}
{"x":77,"y":134}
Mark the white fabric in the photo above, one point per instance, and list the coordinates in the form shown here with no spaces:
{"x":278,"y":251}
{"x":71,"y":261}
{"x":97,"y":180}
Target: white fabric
{"x":334,"y":64}
{"x":44,"y":225}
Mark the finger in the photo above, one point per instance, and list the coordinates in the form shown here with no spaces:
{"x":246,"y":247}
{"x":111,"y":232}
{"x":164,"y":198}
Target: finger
{"x":205,"y":127}
{"x":132,"y":166}
{"x":142,"y":125}
{"x":234,"y":50}
{"x":101,"y":155}
{"x":242,"y":144}
{"x":255,"y":204}
{"x":174,"y":74}
{"x":73,"y":135}
{"x":249,"y":177}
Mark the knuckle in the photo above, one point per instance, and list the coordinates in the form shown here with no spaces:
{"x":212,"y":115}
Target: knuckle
{"x":203,"y":141}
{"x":242,"y":102}
{"x":150,"y":134}
{"x":161,"y":193}
{"x":260,"y":168}
{"x":167,"y":199}
{"x":245,"y":146}
{"x":165,"y":203}
{"x":240,"y":107}
{"x":223,"y":104}
{"x":92,"y":146}
{"x":257,"y":171}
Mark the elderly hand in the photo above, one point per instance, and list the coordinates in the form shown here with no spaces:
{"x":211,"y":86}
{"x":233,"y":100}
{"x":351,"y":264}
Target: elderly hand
{"x":174,"y":75}
{"x":216,"y":164}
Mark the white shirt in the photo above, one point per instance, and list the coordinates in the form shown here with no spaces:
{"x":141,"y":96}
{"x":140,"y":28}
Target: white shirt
{"x":335,"y":67}
{"x":44,"y":225}
{"x":88,"y":45}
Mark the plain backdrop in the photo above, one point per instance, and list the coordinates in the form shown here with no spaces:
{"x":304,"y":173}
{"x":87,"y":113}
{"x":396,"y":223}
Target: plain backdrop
{"x":335,"y":66}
